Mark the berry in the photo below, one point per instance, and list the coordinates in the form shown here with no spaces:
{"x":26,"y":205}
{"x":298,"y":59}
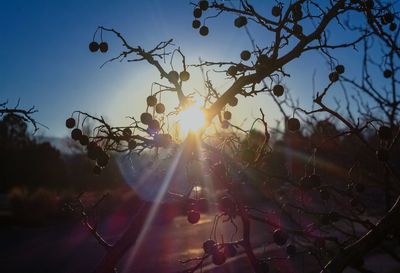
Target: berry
{"x":93,"y":46}
{"x":240,"y":67}
{"x":203,"y":4}
{"x":297,"y":14}
{"x":132,"y":144}
{"x":230,"y":251}
{"x":154,"y":126}
{"x":146,"y":118}
{"x":227,"y":115}
{"x":240,"y":21}
{"x":127,"y":132}
{"x":173,"y":76}
{"x":196,"y":24}
{"x":160,"y":108}
{"x":184,"y":75}
{"x":389,"y":17}
{"x":393,"y":27}
{"x":76,"y":134}
{"x":293,"y":124}
{"x":70,"y":123}
{"x":93,"y":150}
{"x":385,"y":132}
{"x":278,"y":90}
{"x":225,"y":124}
{"x":102,"y":159}
{"x":209,"y":246}
{"x":276,"y":11}
{"x":333,"y":76}
{"x":151,"y":101}
{"x":280,"y":237}
{"x":218,"y":258}
{"x":339,"y":69}
{"x":387,"y":73}
{"x":97,"y":170}
{"x":297,"y":29}
{"x":103,"y":46}
{"x":197,"y":12}
{"x":233,"y":101}
{"x":245,"y":55}
{"x":263,"y":59}
{"x":203,"y":31}
{"x":193,"y":216}
{"x":232,"y":70}
{"x":291,"y":250}
{"x":84,"y":140}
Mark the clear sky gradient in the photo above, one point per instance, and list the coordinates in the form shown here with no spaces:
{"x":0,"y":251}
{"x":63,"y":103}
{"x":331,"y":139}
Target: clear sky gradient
{"x":45,"y":61}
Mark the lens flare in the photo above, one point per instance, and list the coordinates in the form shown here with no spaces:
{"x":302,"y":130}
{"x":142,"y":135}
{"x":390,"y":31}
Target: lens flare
{"x":191,"y":119}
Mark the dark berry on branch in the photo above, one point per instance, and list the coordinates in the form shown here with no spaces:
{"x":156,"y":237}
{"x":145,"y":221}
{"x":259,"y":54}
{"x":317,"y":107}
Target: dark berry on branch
{"x":160,"y":108}
{"x":218,"y":258}
{"x":278,"y":90}
{"x":184,"y":75}
{"x":76,"y":134}
{"x":293,"y":124}
{"x":240,"y":21}
{"x":103,"y":46}
{"x":196,"y":24}
{"x":203,"y":31}
{"x":193,"y":216}
{"x":84,"y":140}
{"x":151,"y":101}
{"x":203,"y":4}
{"x":280,"y":237}
{"x":227,"y":115}
{"x":276,"y":11}
{"x":146,"y":118}
{"x":70,"y":123}
{"x":93,"y":46}
{"x":197,"y":12}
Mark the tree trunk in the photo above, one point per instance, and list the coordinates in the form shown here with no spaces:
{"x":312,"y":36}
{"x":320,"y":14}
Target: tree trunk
{"x":128,"y":239}
{"x":360,"y":248}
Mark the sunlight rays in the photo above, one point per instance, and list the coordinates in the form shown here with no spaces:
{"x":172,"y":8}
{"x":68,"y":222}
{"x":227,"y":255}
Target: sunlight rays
{"x":154,"y":208}
{"x":191,"y":119}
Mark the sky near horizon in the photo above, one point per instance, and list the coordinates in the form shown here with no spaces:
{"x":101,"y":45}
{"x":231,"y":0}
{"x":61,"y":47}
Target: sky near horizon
{"x":45,"y":61}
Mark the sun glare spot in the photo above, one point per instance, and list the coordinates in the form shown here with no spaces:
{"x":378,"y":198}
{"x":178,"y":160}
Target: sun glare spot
{"x":197,"y":188}
{"x":191,"y":119}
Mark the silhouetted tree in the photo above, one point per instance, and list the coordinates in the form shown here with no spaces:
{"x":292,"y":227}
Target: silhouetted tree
{"x":25,"y":162}
{"x":323,"y":213}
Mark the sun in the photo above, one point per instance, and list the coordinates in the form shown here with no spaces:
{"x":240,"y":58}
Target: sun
{"x":191,"y":119}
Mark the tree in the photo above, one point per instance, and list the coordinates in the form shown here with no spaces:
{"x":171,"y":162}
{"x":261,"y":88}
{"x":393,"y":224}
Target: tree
{"x":24,"y":162}
{"x":313,"y":215}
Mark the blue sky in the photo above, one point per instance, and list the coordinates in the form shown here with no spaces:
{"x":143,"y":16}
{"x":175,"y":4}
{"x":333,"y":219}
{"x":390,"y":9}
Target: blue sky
{"x":45,"y":61}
